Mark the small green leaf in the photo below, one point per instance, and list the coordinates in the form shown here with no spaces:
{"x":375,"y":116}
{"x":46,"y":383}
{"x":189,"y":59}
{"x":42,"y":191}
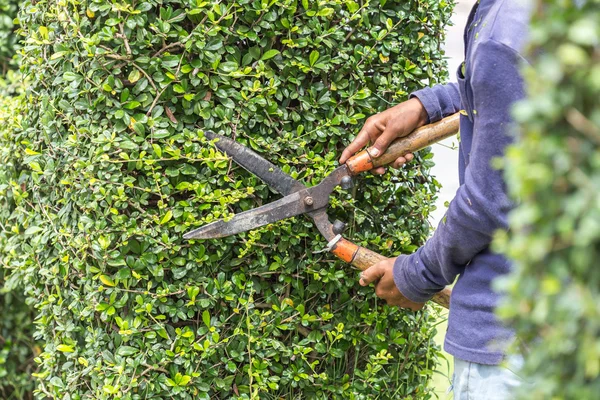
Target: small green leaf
{"x":33,"y":229}
{"x":167,"y":217}
{"x":65,"y":348}
{"x":125,"y":351}
{"x":206,"y":318}
{"x":314,"y":56}
{"x":325,"y":12}
{"x":134,"y":75}
{"x":35,"y":166}
{"x":157,"y":150}
{"x":107,"y":280}
{"x":178,"y":88}
{"x":269,"y":54}
{"x":132,"y":104}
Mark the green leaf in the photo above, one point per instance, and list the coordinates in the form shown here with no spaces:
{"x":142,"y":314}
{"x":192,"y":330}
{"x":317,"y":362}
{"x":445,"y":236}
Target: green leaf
{"x":167,"y":217}
{"x":125,"y":351}
{"x":32,"y":230}
{"x":134,"y":75}
{"x":352,"y":6}
{"x":35,"y":166}
{"x":178,"y":88}
{"x":314,"y":56}
{"x":325,"y":12}
{"x":131,"y":105}
{"x":185,"y":380}
{"x":206,"y":318}
{"x":228,"y":66}
{"x":269,"y":54}
{"x":157,"y":150}
{"x":107,"y":280}
{"x":63,"y":348}
{"x":123,"y":273}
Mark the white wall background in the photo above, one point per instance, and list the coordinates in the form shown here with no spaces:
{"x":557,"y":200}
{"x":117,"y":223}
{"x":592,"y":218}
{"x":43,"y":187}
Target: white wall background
{"x":446,"y":153}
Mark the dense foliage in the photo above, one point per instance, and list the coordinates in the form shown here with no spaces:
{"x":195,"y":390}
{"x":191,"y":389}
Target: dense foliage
{"x":555,"y":237}
{"x":111,"y":168}
{"x":8,"y":38}
{"x":17,"y":347}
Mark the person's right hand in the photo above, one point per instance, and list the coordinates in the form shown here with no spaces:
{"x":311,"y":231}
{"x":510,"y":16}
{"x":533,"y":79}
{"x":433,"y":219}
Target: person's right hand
{"x":381,"y":129}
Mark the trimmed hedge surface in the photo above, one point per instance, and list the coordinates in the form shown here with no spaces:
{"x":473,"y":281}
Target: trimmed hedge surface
{"x":113,"y":168}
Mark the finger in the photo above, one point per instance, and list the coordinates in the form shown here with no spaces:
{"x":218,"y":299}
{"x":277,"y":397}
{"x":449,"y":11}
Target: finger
{"x":404,"y":303}
{"x":358,"y":143}
{"x":372,"y":274}
{"x":400,"y":161}
{"x":378,"y":171}
{"x":382,"y":143}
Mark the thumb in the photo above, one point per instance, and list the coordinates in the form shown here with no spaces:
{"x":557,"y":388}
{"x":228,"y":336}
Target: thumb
{"x":382,"y":143}
{"x":371,"y":274}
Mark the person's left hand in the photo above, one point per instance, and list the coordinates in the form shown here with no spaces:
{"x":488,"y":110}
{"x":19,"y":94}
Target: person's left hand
{"x":382,"y":274}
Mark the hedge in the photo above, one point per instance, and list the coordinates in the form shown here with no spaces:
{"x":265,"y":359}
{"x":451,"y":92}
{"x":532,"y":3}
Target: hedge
{"x":116,"y":169}
{"x":8,"y":38}
{"x":17,"y":346}
{"x":554,"y":172}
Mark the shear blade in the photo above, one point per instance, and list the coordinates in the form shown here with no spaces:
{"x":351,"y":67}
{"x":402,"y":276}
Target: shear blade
{"x":270,"y":174}
{"x":286,"y":207}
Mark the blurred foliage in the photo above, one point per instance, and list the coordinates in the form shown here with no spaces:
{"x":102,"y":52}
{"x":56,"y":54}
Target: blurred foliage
{"x":554,"y":172}
{"x":8,"y":38}
{"x":17,"y":347}
{"x":110,"y":168}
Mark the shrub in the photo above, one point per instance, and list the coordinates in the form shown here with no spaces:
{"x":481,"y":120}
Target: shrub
{"x":555,"y":231}
{"x":17,"y":347}
{"x":118,"y":169}
{"x":8,"y":11}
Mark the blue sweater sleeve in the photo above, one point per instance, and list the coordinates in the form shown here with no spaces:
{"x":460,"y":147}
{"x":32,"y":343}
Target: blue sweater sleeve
{"x":481,"y":204}
{"x":439,"y":101}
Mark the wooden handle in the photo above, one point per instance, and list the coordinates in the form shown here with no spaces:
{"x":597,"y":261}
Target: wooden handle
{"x":417,"y":140}
{"x":363,"y":258}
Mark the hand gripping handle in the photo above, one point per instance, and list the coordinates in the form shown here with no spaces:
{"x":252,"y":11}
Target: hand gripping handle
{"x":363,"y":258}
{"x":417,"y":140}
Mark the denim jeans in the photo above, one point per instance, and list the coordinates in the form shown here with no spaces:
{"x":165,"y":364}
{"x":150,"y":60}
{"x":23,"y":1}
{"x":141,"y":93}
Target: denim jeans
{"x":472,"y":381}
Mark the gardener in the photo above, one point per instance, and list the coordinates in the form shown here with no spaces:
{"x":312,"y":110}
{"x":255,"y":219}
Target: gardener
{"x":488,"y":84}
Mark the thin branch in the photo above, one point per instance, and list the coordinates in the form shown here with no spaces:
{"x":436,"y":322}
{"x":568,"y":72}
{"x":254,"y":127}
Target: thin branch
{"x":167,"y":47}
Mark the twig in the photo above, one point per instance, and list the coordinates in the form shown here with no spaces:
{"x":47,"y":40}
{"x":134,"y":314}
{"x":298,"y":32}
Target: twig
{"x":167,"y":47}
{"x":580,"y":122}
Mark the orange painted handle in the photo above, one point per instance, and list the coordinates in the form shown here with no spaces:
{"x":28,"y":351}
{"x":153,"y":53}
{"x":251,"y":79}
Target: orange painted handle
{"x":363,"y":258}
{"x":417,"y":140}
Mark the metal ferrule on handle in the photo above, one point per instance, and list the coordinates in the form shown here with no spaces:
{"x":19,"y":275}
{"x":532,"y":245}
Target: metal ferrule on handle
{"x":417,"y":140}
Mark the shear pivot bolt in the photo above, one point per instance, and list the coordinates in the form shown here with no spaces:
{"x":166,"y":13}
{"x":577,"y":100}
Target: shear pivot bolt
{"x":346,"y":183}
{"x":308,"y":201}
{"x":338,"y":227}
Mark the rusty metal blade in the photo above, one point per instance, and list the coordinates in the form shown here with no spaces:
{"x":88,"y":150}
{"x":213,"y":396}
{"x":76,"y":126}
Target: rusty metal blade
{"x":252,"y":162}
{"x":289,"y":206}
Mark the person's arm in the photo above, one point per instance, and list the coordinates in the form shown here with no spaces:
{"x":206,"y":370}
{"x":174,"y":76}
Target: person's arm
{"x":424,"y":106}
{"x":481,"y":205}
{"x":439,"y":101}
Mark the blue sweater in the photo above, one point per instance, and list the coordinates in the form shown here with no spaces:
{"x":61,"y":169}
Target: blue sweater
{"x":488,"y":84}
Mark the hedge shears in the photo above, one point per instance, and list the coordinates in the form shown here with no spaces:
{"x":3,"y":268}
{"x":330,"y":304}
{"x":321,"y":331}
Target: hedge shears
{"x":312,"y":201}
